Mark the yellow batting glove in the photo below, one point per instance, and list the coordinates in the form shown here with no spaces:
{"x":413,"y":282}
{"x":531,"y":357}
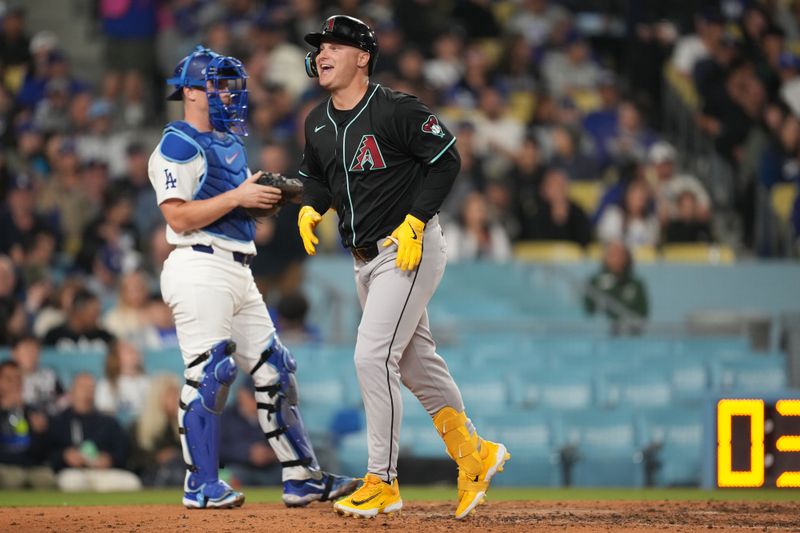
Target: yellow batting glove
{"x":307,"y":220}
{"x":408,"y":237}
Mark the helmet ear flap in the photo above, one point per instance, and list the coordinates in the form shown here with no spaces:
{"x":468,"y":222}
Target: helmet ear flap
{"x":311,"y":64}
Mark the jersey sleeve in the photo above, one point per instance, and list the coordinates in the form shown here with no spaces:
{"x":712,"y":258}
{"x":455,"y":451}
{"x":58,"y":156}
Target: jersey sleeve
{"x":173,"y":178}
{"x":316,"y":191}
{"x":420,"y":131}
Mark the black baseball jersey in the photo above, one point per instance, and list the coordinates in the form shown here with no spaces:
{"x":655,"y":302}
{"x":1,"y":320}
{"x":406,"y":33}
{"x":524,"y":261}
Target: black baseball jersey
{"x":387,"y":157}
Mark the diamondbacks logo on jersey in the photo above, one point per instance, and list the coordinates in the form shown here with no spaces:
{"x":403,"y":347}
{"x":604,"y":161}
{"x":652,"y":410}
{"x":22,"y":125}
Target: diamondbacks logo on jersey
{"x":432,"y":126}
{"x":368,"y":156}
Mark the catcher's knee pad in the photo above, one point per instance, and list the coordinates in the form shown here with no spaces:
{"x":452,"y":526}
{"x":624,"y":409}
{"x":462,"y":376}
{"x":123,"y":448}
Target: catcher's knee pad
{"x":461,"y":439}
{"x":201,"y":403}
{"x":278,"y":410}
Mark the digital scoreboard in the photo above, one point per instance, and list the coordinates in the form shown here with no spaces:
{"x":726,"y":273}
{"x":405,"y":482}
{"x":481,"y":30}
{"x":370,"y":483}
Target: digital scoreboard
{"x":758,"y":443}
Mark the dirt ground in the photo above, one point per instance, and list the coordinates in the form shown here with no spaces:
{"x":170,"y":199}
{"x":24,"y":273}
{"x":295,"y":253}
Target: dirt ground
{"x":417,"y":517}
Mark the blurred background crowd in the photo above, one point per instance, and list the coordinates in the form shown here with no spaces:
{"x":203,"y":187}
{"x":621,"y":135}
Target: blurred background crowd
{"x":596,"y":122}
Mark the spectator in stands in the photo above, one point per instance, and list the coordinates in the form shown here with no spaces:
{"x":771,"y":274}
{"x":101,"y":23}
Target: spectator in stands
{"x":498,"y":135}
{"x":517,"y":71}
{"x":52,"y":113}
{"x":146,"y":214}
{"x":129,"y":318}
{"x":467,"y":92}
{"x":64,"y":197}
{"x":695,"y":47}
{"x":41,"y":388}
{"x":81,"y":330}
{"x":28,"y":158}
{"x":18,"y":217}
{"x":669,"y":185}
{"x":618,"y":292}
{"x":291,"y":321}
{"x":471,"y":176}
{"x":161,"y":333}
{"x":54,"y":310}
{"x":156,"y":454}
{"x":557,"y":218}
{"x":571,"y":70}
{"x":123,"y":389}
{"x":447,"y":66}
{"x":631,"y":140}
{"x":14,"y":46}
{"x":537,"y":20}
{"x":89,"y":449}
{"x":568,"y":157}
{"x":476,"y":236}
{"x":633,"y":221}
{"x":687,"y":224}
{"x":526,"y":180}
{"x":23,"y":429}
{"x":243,"y":448}
{"x":101,"y":142}
{"x":278,"y":265}
{"x":158,"y":250}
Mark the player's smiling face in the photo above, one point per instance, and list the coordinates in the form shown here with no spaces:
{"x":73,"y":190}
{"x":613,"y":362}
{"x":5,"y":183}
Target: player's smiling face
{"x":338,"y":64}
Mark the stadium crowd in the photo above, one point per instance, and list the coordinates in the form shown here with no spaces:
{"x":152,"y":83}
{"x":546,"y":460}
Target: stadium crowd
{"x":543,"y":95}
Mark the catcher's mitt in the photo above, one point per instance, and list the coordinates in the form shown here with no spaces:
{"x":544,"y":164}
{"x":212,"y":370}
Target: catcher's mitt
{"x":291,"y":191}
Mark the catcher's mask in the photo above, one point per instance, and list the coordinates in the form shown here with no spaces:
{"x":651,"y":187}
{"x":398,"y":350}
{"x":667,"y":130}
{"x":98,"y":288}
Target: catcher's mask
{"x":225,"y":82}
{"x":343,"y":29}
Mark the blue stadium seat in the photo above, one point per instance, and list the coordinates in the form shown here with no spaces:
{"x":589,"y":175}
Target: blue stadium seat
{"x":531,"y":439}
{"x":352,"y":454}
{"x":642,"y":388}
{"x":67,"y":364}
{"x":482,"y":393}
{"x":676,"y":435}
{"x":757,"y":374}
{"x":557,"y":389}
{"x":608,"y":453}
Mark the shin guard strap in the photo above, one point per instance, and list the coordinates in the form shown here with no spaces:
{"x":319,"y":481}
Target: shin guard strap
{"x":461,"y":446}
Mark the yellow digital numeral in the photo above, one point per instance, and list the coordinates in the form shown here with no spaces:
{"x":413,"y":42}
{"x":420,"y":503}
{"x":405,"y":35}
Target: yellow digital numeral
{"x":726,"y":476}
{"x":788,"y":443}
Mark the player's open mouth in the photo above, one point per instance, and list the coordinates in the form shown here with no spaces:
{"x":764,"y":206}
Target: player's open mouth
{"x":326,"y":67}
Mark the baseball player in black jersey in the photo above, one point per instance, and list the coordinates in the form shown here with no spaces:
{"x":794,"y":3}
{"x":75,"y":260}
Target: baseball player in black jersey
{"x":385,"y":163}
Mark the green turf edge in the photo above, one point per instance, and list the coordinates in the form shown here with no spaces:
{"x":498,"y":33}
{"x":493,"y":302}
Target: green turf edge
{"x":263,"y":495}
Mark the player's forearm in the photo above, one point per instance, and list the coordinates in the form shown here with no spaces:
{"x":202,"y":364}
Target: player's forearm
{"x":316,"y":194}
{"x":437,"y":185}
{"x":196,"y":214}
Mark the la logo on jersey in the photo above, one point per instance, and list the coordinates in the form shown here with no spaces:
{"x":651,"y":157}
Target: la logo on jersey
{"x":368,"y":156}
{"x":432,"y":126}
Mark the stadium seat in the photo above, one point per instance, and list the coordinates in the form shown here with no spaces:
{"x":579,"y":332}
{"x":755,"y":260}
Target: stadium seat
{"x":606,"y":446}
{"x":532,"y":441}
{"x":548,"y":251}
{"x":757,"y":375}
{"x":67,"y":364}
{"x":558,"y":389}
{"x":640,"y":388}
{"x":697,"y":253}
{"x":782,"y":196}
{"x":675,"y":436}
{"x":586,"y":194}
{"x":352,"y":454}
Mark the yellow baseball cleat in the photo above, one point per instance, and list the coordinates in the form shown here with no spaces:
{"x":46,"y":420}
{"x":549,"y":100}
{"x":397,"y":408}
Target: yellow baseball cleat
{"x":373,"y":497}
{"x":471,"y":492}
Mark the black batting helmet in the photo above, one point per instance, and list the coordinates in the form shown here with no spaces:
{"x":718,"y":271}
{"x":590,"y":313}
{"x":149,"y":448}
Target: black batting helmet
{"x":347,"y":30}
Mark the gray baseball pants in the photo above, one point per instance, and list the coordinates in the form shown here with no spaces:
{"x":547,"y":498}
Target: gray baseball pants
{"x":395,"y":346}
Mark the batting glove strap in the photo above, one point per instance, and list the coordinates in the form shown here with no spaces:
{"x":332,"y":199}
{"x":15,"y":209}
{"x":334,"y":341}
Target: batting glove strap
{"x":408,"y":237}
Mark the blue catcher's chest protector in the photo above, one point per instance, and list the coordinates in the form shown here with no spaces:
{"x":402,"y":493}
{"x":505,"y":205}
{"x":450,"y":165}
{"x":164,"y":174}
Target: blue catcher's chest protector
{"x":226,"y":169}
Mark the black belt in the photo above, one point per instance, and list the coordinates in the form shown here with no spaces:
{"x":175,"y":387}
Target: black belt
{"x":365,"y":253}
{"x":239,"y":257}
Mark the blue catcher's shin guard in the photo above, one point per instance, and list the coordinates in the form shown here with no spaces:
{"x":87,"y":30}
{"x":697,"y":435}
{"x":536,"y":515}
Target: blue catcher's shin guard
{"x":201,"y":403}
{"x":279,"y":414}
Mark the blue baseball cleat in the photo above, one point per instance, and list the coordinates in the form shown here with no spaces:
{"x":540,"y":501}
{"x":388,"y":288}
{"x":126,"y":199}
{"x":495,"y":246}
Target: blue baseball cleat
{"x":301,"y":492}
{"x":217,"y":495}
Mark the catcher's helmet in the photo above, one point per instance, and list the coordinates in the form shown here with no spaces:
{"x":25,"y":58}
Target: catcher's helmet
{"x":226,"y":75}
{"x":347,"y":30}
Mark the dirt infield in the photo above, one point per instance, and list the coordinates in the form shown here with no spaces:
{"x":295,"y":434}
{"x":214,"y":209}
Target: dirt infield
{"x":500,"y":516}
